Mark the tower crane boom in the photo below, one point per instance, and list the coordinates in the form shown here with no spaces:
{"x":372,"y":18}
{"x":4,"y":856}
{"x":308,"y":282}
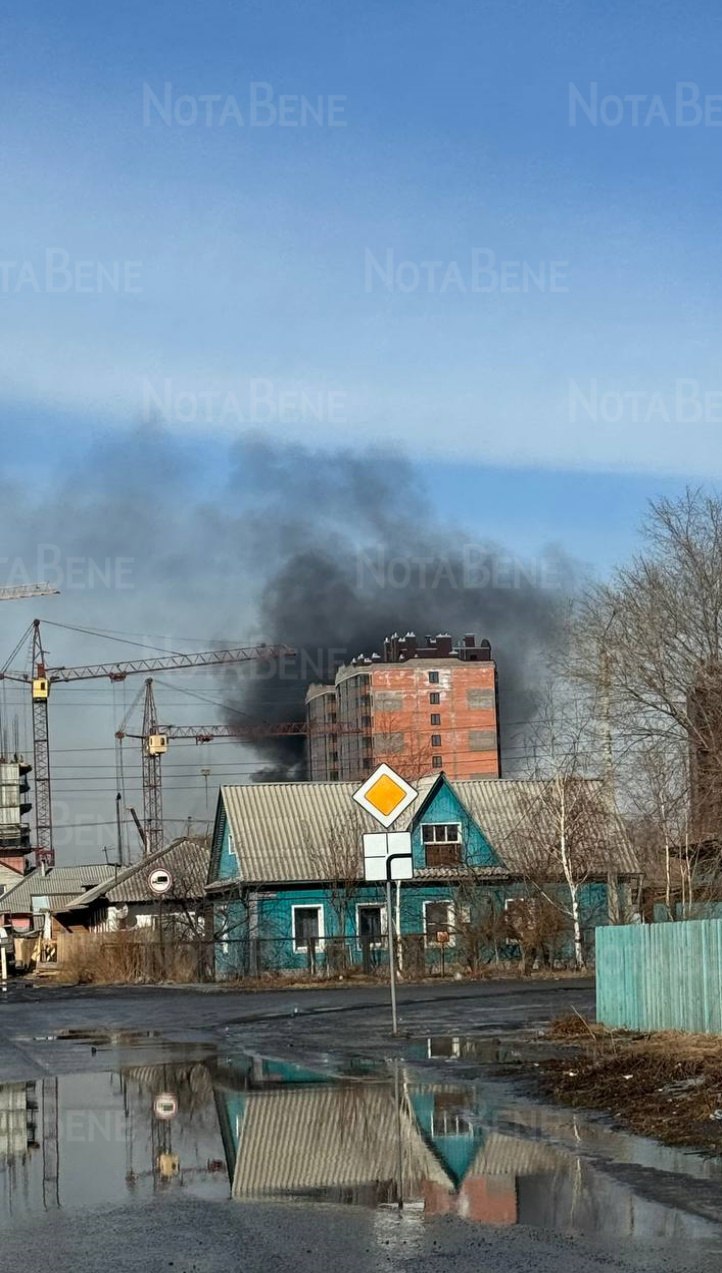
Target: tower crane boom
{"x":21,"y":591}
{"x":42,"y":678}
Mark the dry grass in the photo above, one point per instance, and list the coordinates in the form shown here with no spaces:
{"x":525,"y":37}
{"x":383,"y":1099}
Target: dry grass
{"x":667,"y":1085}
{"x":125,"y":958}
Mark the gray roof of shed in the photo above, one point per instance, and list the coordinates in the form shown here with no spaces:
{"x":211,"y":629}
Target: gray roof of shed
{"x":60,"y":881}
{"x":186,"y":862}
{"x":283,"y":832}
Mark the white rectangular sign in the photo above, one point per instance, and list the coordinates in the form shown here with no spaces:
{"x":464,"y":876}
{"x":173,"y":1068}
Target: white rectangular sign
{"x":387,"y":856}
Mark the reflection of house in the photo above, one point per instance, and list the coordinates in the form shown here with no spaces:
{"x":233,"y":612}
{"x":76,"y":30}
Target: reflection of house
{"x":285,"y":874}
{"x":18,"y":1113}
{"x":125,"y":899}
{"x":346,"y":1141}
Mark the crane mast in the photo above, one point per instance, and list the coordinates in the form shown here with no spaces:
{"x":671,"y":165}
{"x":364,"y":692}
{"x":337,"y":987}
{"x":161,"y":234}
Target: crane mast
{"x":42,"y":678}
{"x":154,"y":745}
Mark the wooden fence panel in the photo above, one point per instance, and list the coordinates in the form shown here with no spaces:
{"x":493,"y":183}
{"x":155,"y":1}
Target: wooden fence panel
{"x":661,"y":976}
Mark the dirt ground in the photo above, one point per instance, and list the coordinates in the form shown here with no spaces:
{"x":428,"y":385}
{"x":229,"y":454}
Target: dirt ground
{"x":668,"y":1086}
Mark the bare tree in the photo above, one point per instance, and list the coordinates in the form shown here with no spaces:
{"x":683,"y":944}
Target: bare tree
{"x":656,"y":632}
{"x":566,"y":827}
{"x":338,"y":859}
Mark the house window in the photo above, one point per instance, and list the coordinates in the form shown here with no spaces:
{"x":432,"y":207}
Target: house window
{"x":438,"y":918}
{"x":435,"y":718}
{"x":436,"y":740}
{"x":434,"y":699}
{"x":433,"y":678}
{"x":442,"y":843}
{"x":448,"y":1118}
{"x":307,"y":927}
{"x":369,"y":924}
{"x":437,"y":762}
{"x":365,"y":722}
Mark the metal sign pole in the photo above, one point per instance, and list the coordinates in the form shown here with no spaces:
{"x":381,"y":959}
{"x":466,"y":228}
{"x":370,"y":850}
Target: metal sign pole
{"x":392,"y":957}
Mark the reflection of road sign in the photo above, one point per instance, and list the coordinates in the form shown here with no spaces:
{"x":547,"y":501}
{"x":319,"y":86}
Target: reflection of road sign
{"x":385,"y":795}
{"x":387,"y":856}
{"x":165,"y":1106}
{"x":160,"y":881}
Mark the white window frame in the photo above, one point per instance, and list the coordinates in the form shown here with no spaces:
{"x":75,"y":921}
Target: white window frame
{"x":440,"y":824}
{"x":450,"y":921}
{"x":308,"y":906}
{"x":373,"y":945}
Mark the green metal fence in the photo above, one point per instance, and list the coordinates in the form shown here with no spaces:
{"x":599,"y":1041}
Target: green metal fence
{"x":661,"y":976}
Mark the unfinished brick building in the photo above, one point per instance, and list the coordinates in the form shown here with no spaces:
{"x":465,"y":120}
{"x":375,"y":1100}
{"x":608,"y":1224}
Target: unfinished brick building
{"x":418,"y":707}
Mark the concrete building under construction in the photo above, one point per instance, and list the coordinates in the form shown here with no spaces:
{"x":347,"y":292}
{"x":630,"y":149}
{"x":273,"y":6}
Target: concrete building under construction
{"x":419,"y":707}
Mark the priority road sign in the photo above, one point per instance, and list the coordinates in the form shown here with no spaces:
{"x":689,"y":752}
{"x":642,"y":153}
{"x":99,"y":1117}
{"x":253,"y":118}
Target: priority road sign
{"x":385,"y":795}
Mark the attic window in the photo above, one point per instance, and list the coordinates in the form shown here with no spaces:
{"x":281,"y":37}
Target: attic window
{"x":442,"y":843}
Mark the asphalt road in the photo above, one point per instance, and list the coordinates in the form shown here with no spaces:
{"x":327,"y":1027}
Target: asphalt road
{"x":189,"y":1235}
{"x":348,"y":1018}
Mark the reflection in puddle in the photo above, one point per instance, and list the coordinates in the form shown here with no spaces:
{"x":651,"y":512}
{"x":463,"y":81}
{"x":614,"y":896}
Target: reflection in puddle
{"x":261,"y":1129}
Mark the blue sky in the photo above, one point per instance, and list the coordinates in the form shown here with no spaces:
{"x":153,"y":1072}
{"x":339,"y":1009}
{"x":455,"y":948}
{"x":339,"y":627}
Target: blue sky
{"x":176,"y":254}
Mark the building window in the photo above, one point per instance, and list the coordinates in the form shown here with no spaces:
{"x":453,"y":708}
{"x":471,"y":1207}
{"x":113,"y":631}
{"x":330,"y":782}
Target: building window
{"x":442,"y":843}
{"x":433,"y":678}
{"x":434,"y":699}
{"x":437,"y":762}
{"x":438,"y":918}
{"x":365,"y":722}
{"x":436,"y":740}
{"x":435,"y":718}
{"x":370,"y":924}
{"x":307,"y":927}
{"x":448,"y":1117}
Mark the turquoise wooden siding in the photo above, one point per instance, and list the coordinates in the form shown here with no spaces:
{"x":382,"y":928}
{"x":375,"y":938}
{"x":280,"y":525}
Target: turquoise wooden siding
{"x":225,"y":864}
{"x":445,"y":806}
{"x":661,"y":976}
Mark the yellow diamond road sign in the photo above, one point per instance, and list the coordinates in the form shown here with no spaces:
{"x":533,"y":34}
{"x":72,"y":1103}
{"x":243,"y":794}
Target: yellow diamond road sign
{"x":385,"y":795}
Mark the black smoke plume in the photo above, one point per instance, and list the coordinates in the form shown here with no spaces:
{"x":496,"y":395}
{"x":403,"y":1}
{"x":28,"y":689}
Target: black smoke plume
{"x":354,"y":553}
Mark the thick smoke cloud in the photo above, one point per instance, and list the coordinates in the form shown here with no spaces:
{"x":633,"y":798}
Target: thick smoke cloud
{"x":354,"y":554}
{"x":183,"y":543}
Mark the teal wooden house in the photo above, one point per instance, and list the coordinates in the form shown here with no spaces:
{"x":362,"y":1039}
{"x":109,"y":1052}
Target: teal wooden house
{"x":288,"y":894}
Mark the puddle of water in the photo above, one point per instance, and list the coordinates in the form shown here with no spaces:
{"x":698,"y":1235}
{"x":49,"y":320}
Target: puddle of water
{"x":251,"y":1128}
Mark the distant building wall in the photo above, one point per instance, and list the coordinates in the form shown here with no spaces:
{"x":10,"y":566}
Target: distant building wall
{"x":419,"y":713}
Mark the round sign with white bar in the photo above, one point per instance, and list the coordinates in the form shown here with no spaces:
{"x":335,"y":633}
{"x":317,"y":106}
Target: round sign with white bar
{"x":165,"y":1106}
{"x":160,"y":881}
{"x":385,"y":795}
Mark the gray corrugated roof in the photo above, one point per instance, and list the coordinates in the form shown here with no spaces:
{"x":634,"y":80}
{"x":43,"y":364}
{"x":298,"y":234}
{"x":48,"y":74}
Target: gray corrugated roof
{"x":300,"y":1139}
{"x":60,"y":881}
{"x":8,"y":878}
{"x":291,"y":831}
{"x":185,"y":860}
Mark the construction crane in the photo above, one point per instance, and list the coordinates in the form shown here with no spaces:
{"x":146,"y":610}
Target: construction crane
{"x":42,"y":678}
{"x":154,"y":741}
{"x":25,"y":590}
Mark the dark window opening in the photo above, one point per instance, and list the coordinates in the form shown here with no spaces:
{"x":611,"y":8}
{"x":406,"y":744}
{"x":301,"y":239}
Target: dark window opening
{"x":434,"y":699}
{"x":436,"y":740}
{"x":435,"y":718}
{"x":436,"y":919}
{"x":437,"y":762}
{"x":433,"y":678}
{"x":369,"y":924}
{"x":306,"y":926}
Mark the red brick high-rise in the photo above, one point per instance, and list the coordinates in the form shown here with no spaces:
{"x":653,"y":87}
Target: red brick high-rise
{"x":418,"y":707}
